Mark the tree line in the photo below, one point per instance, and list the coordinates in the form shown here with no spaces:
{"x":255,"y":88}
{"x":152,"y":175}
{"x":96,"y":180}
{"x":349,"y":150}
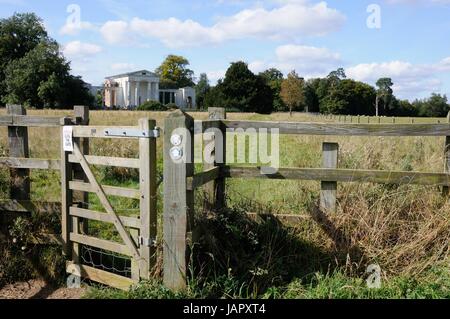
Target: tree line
{"x":270,"y":91}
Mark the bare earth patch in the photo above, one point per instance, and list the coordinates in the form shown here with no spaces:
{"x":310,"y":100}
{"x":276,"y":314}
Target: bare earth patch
{"x":38,"y":289}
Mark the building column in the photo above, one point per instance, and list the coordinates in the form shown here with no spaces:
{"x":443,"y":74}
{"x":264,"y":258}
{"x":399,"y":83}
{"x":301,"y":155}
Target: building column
{"x":156,"y":91}
{"x":149,"y":91}
{"x":128,"y":94}
{"x":136,"y":94}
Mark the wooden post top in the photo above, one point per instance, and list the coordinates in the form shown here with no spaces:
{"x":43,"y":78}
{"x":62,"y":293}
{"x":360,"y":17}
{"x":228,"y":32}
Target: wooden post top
{"x":217,"y":113}
{"x":16,"y":109}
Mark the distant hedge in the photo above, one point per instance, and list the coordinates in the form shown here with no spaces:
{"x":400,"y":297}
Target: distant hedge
{"x":152,"y":106}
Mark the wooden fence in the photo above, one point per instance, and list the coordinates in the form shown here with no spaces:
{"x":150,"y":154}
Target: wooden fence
{"x":138,"y":233}
{"x":180,"y":180}
{"x":360,"y":119}
{"x":20,"y":164}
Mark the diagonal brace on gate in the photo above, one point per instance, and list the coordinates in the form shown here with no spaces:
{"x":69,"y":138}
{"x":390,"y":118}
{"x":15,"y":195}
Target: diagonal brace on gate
{"x":126,"y":237}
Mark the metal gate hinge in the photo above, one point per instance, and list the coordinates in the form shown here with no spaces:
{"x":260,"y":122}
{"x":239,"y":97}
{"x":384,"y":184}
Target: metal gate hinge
{"x":147,"y":242}
{"x":155,"y":133}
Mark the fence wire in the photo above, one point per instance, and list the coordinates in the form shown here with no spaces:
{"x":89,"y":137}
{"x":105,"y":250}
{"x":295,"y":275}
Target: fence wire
{"x":105,"y":260}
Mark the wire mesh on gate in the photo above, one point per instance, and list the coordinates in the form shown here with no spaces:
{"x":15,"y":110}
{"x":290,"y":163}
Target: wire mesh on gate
{"x":106,"y":260}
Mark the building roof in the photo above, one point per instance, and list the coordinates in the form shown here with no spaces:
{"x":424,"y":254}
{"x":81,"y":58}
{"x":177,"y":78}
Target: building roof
{"x":134,"y":73}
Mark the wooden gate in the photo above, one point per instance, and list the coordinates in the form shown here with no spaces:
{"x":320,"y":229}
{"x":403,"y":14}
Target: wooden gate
{"x":137,"y":234}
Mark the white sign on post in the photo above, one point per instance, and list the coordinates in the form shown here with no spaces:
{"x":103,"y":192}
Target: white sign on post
{"x":67,"y":138}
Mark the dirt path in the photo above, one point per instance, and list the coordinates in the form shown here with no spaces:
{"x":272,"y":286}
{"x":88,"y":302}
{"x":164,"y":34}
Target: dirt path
{"x":38,"y":289}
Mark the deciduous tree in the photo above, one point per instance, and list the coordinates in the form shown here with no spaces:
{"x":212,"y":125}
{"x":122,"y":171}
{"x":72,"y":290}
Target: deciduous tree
{"x":292,"y":91}
{"x":174,"y":72}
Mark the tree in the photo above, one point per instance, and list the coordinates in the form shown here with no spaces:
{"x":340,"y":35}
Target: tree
{"x":201,"y":89}
{"x":435,"y":106}
{"x":335,"y":76}
{"x":44,"y":66}
{"x":19,"y":34}
{"x":384,"y":93}
{"x":245,"y":91}
{"x":273,"y":78}
{"x":174,"y":73}
{"x":292,"y":91}
{"x":33,"y":71}
{"x":349,"y":97}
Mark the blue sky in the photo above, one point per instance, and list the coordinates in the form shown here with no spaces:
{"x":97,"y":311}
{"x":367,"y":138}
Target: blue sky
{"x":407,"y":40}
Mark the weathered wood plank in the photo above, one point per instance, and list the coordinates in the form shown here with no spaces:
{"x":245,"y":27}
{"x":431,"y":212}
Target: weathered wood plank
{"x":32,"y":121}
{"x":37,"y":121}
{"x":30,"y":206}
{"x":215,"y":143}
{"x":203,"y":178}
{"x":101,"y":243}
{"x":6,"y":120}
{"x":328,"y":190}
{"x":30,"y":163}
{"x":98,"y":131}
{"x":346,"y":129}
{"x":109,"y":190}
{"x":148,"y":217}
{"x":178,"y":208}
{"x":103,"y":217}
{"x":108,"y":161}
{"x":205,"y":125}
{"x":101,"y":276}
{"x":445,"y":189}
{"x":18,"y":147}
{"x":81,"y":112}
{"x":343,"y":175}
{"x":66,"y":194}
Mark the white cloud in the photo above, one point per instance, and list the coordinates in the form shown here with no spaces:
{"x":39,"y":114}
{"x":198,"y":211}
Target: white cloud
{"x":286,"y":21}
{"x":441,"y":2}
{"x":308,"y":61}
{"x":81,"y":50}
{"x":115,"y":32}
{"x":410,"y":80}
{"x":75,"y":28}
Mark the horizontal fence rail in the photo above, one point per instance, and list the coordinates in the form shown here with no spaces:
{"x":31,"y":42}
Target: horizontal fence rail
{"x":341,"y":175}
{"x":30,"y":163}
{"x":344,"y":129}
{"x":34,"y":121}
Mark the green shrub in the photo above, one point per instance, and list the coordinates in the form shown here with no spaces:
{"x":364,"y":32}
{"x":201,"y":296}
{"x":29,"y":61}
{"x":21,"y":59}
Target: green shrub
{"x":171,"y":106}
{"x":152,"y":106}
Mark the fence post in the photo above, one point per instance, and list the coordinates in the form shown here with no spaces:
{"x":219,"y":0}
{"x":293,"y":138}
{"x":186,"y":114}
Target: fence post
{"x":215,"y":191}
{"x":66,"y":194}
{"x":445,"y":189}
{"x":178,"y":202}
{"x":81,"y":111}
{"x":148,"y":218}
{"x":329,"y":189}
{"x":80,"y":225}
{"x":18,"y":147}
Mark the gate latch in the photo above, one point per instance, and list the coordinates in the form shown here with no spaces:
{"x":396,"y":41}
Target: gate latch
{"x":155,"y":133}
{"x":147,"y":242}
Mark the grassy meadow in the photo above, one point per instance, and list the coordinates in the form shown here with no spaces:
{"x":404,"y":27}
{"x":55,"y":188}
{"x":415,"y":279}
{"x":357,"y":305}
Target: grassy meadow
{"x":404,"y":229}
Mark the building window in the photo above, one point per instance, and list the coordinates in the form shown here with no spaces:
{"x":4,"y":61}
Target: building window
{"x":166,"y":97}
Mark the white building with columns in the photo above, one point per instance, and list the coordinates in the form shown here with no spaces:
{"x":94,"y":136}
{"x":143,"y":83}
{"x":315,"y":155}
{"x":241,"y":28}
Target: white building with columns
{"x":130,"y":90}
